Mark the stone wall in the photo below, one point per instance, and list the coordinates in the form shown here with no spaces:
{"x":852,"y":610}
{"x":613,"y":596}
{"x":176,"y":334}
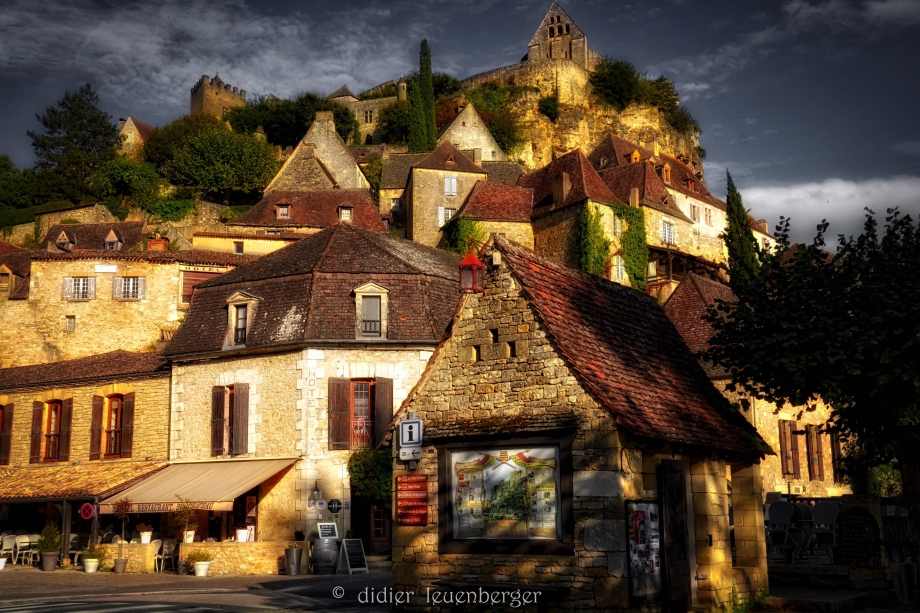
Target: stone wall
{"x":468,"y":131}
{"x":259,"y":558}
{"x":359,"y":107}
{"x":333,"y":152}
{"x":141,"y":558}
{"x":703,"y":239}
{"x":23,"y":233}
{"x":426,"y":195}
{"x":519,"y":232}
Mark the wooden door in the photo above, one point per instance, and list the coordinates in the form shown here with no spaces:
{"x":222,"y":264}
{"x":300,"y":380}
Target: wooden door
{"x":672,"y":478}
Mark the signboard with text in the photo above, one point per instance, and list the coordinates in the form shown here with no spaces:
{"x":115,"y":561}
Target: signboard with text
{"x":412,"y":500}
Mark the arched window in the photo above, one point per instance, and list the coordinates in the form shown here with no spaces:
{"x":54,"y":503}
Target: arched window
{"x":551,"y":31}
{"x":113,"y":425}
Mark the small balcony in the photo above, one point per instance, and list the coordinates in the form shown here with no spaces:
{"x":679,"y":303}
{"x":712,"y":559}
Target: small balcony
{"x":239,"y":336}
{"x":362,"y":433}
{"x":113,"y":443}
{"x":52,"y":447}
{"x":370,"y":327}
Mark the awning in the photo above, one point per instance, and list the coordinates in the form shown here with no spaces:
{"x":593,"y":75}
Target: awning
{"x":211,"y":485}
{"x":64,"y":480}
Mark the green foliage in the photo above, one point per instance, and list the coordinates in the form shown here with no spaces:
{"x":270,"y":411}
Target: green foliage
{"x":445,"y":85}
{"x":634,"y":245}
{"x":457,"y":231}
{"x":356,"y":136}
{"x":682,"y":121}
{"x":185,"y":514}
{"x":15,"y":185}
{"x":21,"y":216}
{"x":393,"y":122}
{"x":509,"y":498}
{"x":885,"y":481}
{"x":170,"y":210}
{"x":286,"y":121}
{"x":493,"y":102}
{"x":163,"y":143}
{"x":198,"y":555}
{"x":78,"y":139}
{"x":94,"y":553}
{"x":736,"y":604}
{"x":373,"y":171}
{"x":127,"y":181}
{"x":220,"y":162}
{"x":371,"y":474}
{"x":592,"y":248}
{"x":423,"y":135}
{"x":234,"y":212}
{"x":116,"y":208}
{"x":51,"y":539}
{"x":507,"y":132}
{"x":739,"y":240}
{"x":700,"y":152}
{"x":549,"y":106}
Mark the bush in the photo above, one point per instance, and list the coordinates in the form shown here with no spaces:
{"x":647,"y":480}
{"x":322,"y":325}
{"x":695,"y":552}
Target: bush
{"x":286,"y":121}
{"x":163,"y":143}
{"x":21,"y":216}
{"x":198,"y":555}
{"x":493,"y":101}
{"x":370,"y":473}
{"x":549,"y":106}
{"x":457,"y":231}
{"x":393,"y":122}
{"x":94,"y":553}
{"x":50,"y":540}
{"x":234,"y":212}
{"x":116,"y":208}
{"x":373,"y":171}
{"x":143,"y":528}
{"x":171,"y":210}
{"x":616,"y":82}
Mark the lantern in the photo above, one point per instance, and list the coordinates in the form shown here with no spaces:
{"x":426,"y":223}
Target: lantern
{"x":471,"y":274}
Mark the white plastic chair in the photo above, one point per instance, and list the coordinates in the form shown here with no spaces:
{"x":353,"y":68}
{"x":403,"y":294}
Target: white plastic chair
{"x":23,"y":549}
{"x":75,"y":548}
{"x":169,"y":548}
{"x":157,"y":545}
{"x":8,"y":547}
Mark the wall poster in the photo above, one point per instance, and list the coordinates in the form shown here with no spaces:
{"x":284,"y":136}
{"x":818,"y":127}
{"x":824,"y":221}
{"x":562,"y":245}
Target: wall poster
{"x":644,"y":539}
{"x":506,"y":493}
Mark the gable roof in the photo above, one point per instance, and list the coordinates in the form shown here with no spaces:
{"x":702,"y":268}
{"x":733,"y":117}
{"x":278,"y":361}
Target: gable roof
{"x":497,"y":202}
{"x":106,"y":365}
{"x":615,"y":151}
{"x":540,"y":35}
{"x":143,"y":129}
{"x":313,"y":209}
{"x":468,"y":130}
{"x":342,"y":92}
{"x":626,"y":350}
{"x":688,"y":306}
{"x":448,"y":157}
{"x":585,"y":183}
{"x":19,"y":263}
{"x":85,"y":236}
{"x":396,"y":169}
{"x":306,"y":292}
{"x":6,"y":247}
{"x":652,"y":192}
{"x":365,"y":153}
{"x":503,"y":172}
{"x":302,"y":170}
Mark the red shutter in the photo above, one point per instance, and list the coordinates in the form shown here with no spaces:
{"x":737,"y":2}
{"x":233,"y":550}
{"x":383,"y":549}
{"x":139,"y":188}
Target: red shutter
{"x":383,"y":407}
{"x":6,"y":434}
{"x":127,"y":426}
{"x":794,"y":447}
{"x":95,"y":429}
{"x":66,"y":423}
{"x":339,"y":413}
{"x":35,"y":446}
{"x":785,"y":454}
{"x":239,"y":438}
{"x":217,"y":420}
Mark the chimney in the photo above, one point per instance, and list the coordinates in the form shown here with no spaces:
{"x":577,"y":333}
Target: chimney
{"x":477,"y":155}
{"x":324,"y":121}
{"x":764,"y":226}
{"x":562,"y":183}
{"x":634,"y":197}
{"x":121,"y":123}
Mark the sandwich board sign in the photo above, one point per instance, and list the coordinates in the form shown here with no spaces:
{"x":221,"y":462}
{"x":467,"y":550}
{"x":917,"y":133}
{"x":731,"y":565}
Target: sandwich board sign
{"x":351,"y":557}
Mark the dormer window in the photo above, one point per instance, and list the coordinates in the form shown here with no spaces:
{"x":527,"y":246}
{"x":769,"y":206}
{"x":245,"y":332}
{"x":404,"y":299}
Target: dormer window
{"x":371,"y":311}
{"x":241,"y":307}
{"x":666,"y":173}
{"x":634,"y":157}
{"x":239,"y":324}
{"x":111,"y":245}
{"x":691,"y":185}
{"x":345,"y":214}
{"x":284,"y":211}
{"x":603,"y":162}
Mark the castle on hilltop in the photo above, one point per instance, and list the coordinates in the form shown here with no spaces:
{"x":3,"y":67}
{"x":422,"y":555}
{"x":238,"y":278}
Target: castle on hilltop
{"x":559,"y":38}
{"x":215,"y":97}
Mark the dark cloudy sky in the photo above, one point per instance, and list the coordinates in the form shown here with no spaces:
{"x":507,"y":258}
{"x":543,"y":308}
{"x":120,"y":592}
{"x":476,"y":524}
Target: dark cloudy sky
{"x":812,"y":104}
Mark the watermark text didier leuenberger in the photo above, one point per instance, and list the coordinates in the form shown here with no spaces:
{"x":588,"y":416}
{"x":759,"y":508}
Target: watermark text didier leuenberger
{"x":513,"y":598}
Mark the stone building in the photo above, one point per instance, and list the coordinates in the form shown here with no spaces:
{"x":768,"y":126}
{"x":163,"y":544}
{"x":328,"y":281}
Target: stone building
{"x":367,"y":111}
{"x":15,"y":267}
{"x":437,"y":187}
{"x":74,"y":238}
{"x":808,"y":460}
{"x":468,"y":132}
{"x":214,"y":97}
{"x":501,"y":210}
{"x":557,"y":37}
{"x":283,"y":212}
{"x":135,"y":133}
{"x":26,"y":233}
{"x":572,"y":446}
{"x":311,"y":346}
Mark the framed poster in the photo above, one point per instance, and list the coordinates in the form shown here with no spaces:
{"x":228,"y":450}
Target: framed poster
{"x":643,"y":525}
{"x":506,"y":493}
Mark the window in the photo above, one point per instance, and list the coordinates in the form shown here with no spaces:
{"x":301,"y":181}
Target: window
{"x":394,"y":204}
{"x":667,"y":232}
{"x":552,"y":32}
{"x":239,"y":324}
{"x":360,"y":410}
{"x":113,"y":426}
{"x":619,"y":270}
{"x":50,"y":440}
{"x":53,"y":430}
{"x":566,"y":28}
{"x":666,"y":173}
{"x":617,"y":226}
{"x":230,"y":419}
{"x":691,"y":185}
{"x":450,"y":185}
{"x":129,"y":288}
{"x":493,"y":155}
{"x":273,"y":232}
{"x":634,"y":157}
{"x":345,"y":214}
{"x":129,"y":137}
{"x":789,"y":449}
{"x":111,"y":245}
{"x":815,"y":453}
{"x":449,"y":214}
{"x":284,"y":211}
{"x":708,"y":213}
{"x":695,"y":213}
{"x":368,"y":116}
{"x":112,"y":430}
{"x":70,"y":323}
{"x":237,"y":246}
{"x":764,"y":242}
{"x":370,"y":316}
{"x":79,"y":288}
{"x":6,"y":433}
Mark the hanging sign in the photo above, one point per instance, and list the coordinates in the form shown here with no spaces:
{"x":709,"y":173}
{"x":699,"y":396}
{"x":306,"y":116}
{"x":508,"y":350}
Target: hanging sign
{"x":351,"y":557}
{"x":412,"y":500}
{"x":87,"y":511}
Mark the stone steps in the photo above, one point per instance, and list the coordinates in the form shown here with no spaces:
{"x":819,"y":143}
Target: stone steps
{"x":379,"y":563}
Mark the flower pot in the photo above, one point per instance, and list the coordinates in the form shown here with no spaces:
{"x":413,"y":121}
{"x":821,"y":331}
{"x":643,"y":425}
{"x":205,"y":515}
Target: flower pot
{"x":242,"y":535}
{"x":292,"y":557}
{"x":119,"y":565}
{"x":2,"y":563}
{"x":145,"y":537}
{"x":50,"y":560}
{"x":201,"y":569}
{"x":190,"y":536}
{"x":90,"y":566}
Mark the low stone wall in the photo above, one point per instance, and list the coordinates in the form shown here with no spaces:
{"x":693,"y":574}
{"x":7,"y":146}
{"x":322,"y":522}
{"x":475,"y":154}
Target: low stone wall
{"x":141,"y":558}
{"x":232,"y":558}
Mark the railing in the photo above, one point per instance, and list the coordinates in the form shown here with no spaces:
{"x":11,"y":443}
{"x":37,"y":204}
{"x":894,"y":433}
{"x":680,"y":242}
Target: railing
{"x":362,"y":433}
{"x":52,"y":446}
{"x":113,"y":442}
{"x":239,"y":336}
{"x":370,"y":327}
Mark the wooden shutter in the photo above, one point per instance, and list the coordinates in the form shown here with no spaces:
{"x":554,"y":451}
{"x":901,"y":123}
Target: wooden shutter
{"x":91,"y":288}
{"x":95,"y":429}
{"x":785,"y":453}
{"x":190,"y":279}
{"x":218,"y":395}
{"x":794,"y":447}
{"x":6,"y":434}
{"x":383,"y":407}
{"x":66,"y":423}
{"x":127,"y":426}
{"x":35,"y":446}
{"x":142,"y":288}
{"x":239,"y":440}
{"x":67,"y":290}
{"x":836,"y":457}
{"x":815,"y":453}
{"x":339,"y":413}
{"x":118,"y":285}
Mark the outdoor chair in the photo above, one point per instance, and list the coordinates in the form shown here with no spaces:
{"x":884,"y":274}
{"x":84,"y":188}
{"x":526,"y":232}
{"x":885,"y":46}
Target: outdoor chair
{"x":23,"y":550}
{"x":75,"y":548}
{"x":784,"y":536}
{"x":157,"y":547}
{"x":807,"y":523}
{"x":166,"y":554}
{"x":21,"y":532}
{"x":8,"y":547}
{"x":826,"y":513}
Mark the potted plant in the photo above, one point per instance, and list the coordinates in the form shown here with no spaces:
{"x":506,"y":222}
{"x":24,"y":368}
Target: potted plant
{"x":185,"y":515}
{"x":146,"y":533}
{"x":2,"y":562}
{"x":292,"y":557}
{"x":93,"y":557}
{"x":242,"y":534}
{"x":200,"y":560}
{"x":121,"y":508}
{"x":49,"y":545}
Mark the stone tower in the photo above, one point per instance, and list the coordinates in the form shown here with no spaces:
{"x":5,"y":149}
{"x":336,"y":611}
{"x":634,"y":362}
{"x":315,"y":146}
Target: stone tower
{"x":559,"y":38}
{"x":215,"y":97}
{"x":401,"y":89}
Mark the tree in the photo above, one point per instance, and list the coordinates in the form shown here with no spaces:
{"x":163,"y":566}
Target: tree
{"x":843,"y":328}
{"x":286,"y":121}
{"x":163,"y":143}
{"x":457,"y":232}
{"x":222,"y":162}
{"x":393,"y":122}
{"x":15,"y":185}
{"x":423,"y":135}
{"x":126,"y":180}
{"x":616,"y":82}
{"x":373,"y":171}
{"x":78,"y":139}
{"x":505,"y":129}
{"x":444,"y":85}
{"x":739,"y":240}
{"x":592,"y":247}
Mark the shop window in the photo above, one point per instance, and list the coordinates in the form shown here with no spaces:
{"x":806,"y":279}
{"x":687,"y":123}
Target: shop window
{"x":230,"y":419}
{"x":789,"y":449}
{"x":359,"y":411}
{"x":50,"y":440}
{"x":6,"y":433}
{"x":815,"y":450}
{"x":79,"y":288}
{"x":129,"y":288}
{"x":112,"y":429}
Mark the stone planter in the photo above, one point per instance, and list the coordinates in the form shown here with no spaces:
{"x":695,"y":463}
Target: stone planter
{"x":119,"y":566}
{"x":201,"y":569}
{"x":242,"y":536}
{"x":145,"y":537}
{"x":50,"y":560}
{"x":90,"y":566}
{"x":190,"y":536}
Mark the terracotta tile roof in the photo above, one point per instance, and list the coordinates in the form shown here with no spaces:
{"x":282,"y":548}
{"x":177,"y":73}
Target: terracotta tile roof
{"x":19,"y":263}
{"x":105,"y":365}
{"x":503,"y":172}
{"x":191,"y":257}
{"x":652,"y":192}
{"x":447,"y":157}
{"x":20,"y":289}
{"x":306,"y":292}
{"x":682,"y":176}
{"x":688,"y":306}
{"x":313,"y":209}
{"x":629,"y":354}
{"x":85,"y":236}
{"x":396,"y":169}
{"x":6,"y":247}
{"x":86,"y":480}
{"x":585,"y":183}
{"x":614,"y":151}
{"x":498,"y":202}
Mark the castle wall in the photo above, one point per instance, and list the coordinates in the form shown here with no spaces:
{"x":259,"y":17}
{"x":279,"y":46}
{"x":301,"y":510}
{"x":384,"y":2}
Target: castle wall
{"x":214,"y":97}
{"x":367,"y":113}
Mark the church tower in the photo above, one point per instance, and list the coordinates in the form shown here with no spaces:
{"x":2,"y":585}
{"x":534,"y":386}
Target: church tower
{"x":559,"y":38}
{"x":215,"y":97}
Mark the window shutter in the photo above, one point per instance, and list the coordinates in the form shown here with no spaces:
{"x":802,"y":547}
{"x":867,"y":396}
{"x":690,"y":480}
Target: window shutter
{"x":67,"y":290}
{"x":127,"y":426}
{"x":819,"y":454}
{"x":239,"y":439}
{"x":95,"y":430}
{"x":118,"y":284}
{"x":785,"y":453}
{"x":91,"y":288}
{"x":835,"y":458}
{"x":66,"y":422}
{"x":446,"y":186}
{"x":794,"y":446}
{"x":35,"y":447}
{"x":6,"y":434}
{"x":383,"y":407}
{"x":339,"y":413}
{"x":440,"y":216}
{"x":217,"y":420}
{"x":453,"y":186}
{"x":142,"y":288}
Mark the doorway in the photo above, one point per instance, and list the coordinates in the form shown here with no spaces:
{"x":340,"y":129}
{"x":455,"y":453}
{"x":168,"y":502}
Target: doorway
{"x":672,"y":485}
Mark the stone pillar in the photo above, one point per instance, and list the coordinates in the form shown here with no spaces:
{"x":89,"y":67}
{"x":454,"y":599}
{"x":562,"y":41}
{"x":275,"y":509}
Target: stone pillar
{"x":750,"y":538}
{"x":709,"y":488}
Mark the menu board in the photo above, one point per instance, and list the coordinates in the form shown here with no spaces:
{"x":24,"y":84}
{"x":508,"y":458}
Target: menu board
{"x":506,"y":493}
{"x":644,"y":538}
